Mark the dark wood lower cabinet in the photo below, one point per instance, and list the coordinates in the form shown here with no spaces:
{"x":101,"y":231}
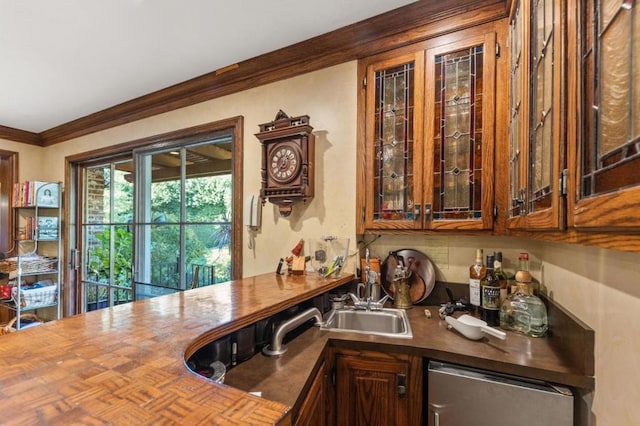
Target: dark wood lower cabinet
{"x":375,"y":388}
{"x":314,"y":410}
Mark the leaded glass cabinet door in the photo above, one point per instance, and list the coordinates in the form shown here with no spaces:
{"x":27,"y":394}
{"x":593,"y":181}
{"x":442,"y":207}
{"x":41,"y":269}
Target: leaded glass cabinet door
{"x":537,"y":130}
{"x":460,"y":111}
{"x":393,"y":176}
{"x":518,"y":119}
{"x":607,"y":187}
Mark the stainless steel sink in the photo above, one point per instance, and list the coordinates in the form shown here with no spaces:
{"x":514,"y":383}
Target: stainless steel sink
{"x":385,"y":322}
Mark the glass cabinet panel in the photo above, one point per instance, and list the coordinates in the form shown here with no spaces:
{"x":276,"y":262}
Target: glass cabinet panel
{"x":459,"y":132}
{"x":394,"y":142}
{"x":610,"y":127}
{"x":516,"y":207}
{"x":458,"y":141}
{"x":541,"y":154}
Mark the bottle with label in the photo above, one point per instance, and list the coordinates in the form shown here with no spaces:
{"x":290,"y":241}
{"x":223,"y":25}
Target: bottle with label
{"x":501,"y":276}
{"x":524,"y":312}
{"x":490,"y":290}
{"x":477,"y":272}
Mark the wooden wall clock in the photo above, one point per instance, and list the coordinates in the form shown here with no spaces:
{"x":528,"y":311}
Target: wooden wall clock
{"x":288,"y":151}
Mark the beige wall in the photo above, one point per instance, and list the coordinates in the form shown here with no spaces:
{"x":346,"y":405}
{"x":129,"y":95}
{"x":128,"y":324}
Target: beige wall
{"x":30,"y":159}
{"x":600,"y":286}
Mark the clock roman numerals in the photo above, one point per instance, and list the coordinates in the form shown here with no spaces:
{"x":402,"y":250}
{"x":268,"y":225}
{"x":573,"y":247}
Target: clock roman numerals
{"x":284,"y":163}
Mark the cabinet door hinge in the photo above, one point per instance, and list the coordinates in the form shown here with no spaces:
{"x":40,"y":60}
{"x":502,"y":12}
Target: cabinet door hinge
{"x":333,"y":377}
{"x":495,"y":212}
{"x":497,"y":50}
{"x":364,"y":83}
{"x":563,"y":182}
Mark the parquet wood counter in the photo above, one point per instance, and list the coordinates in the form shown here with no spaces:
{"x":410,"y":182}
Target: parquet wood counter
{"x":125,"y":365}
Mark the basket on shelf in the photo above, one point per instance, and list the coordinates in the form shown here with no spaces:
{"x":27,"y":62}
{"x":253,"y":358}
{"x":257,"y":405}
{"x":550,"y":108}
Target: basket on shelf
{"x":37,"y":294}
{"x":30,"y":265}
{"x":31,"y":319}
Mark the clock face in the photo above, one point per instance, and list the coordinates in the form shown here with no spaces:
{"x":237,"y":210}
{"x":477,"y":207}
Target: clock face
{"x":285,"y":162}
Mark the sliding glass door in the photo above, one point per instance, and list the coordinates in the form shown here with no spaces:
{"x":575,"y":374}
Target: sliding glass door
{"x":107,"y":234}
{"x":183,"y":216}
{"x":155,"y":216}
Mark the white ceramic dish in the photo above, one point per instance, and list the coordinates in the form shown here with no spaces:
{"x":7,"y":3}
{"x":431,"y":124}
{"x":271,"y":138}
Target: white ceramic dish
{"x":473,"y":328}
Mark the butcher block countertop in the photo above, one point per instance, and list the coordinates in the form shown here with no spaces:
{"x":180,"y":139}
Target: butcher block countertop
{"x":126,"y":365}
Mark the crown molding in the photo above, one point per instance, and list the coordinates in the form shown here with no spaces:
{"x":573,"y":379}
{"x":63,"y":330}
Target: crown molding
{"x":22,"y":136}
{"x":412,"y":23}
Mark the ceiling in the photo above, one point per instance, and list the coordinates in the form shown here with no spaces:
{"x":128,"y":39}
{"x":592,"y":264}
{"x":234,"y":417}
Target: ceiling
{"x":65,"y":59}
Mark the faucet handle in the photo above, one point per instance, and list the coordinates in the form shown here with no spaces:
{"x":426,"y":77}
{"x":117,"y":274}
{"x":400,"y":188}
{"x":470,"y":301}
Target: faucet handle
{"x":379,"y":305}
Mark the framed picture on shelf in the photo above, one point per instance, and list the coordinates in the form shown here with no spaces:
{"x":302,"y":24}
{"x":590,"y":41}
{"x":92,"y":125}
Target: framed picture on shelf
{"x":47,"y":195}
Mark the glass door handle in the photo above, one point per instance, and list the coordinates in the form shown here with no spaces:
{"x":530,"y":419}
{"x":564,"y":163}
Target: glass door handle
{"x":75,"y":259}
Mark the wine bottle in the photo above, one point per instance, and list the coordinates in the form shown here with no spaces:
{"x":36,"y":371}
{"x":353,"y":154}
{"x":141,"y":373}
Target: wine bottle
{"x":477,"y":272}
{"x":501,"y":276}
{"x":490,"y":289}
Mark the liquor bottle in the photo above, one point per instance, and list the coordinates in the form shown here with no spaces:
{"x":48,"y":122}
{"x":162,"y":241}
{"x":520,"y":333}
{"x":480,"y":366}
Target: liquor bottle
{"x":477,"y":272}
{"x":524,"y":313}
{"x":525,"y":274}
{"x":490,"y":289}
{"x":501,"y":276}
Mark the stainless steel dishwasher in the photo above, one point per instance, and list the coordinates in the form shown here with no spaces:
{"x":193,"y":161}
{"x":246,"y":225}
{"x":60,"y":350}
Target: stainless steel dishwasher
{"x":461,"y":396}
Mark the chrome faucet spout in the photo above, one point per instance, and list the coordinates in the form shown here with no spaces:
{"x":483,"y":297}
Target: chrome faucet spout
{"x":277,"y":347}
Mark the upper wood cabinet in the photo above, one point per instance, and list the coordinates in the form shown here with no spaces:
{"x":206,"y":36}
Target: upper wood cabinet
{"x":604,"y":114}
{"x":537,"y":114}
{"x":428,"y":136}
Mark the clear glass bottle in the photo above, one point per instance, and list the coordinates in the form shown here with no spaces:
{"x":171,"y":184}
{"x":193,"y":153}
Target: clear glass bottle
{"x":524,"y":313}
{"x":477,"y":272}
{"x":523,"y":270}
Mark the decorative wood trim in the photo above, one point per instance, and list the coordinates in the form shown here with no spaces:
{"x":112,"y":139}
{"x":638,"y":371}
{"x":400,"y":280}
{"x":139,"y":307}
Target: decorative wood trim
{"x":610,"y":240}
{"x":8,"y":177}
{"x":390,"y":30}
{"x":17,"y":135}
{"x":237,"y":230}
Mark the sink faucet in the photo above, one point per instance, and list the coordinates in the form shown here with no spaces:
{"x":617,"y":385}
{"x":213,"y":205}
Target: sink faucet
{"x":371,"y":300}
